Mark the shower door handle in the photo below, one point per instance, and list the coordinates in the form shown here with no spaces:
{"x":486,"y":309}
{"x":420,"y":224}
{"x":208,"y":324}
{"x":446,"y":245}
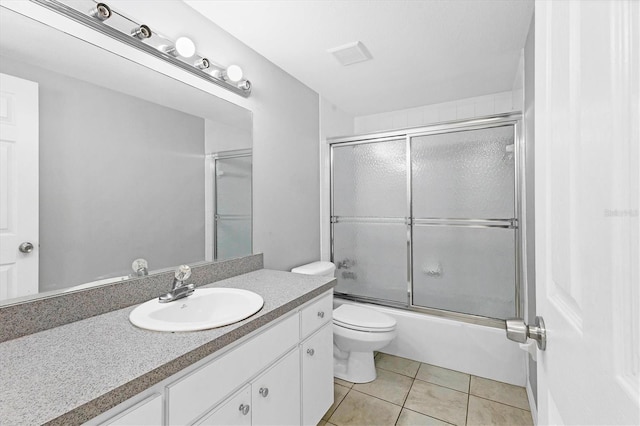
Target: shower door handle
{"x":519,"y":332}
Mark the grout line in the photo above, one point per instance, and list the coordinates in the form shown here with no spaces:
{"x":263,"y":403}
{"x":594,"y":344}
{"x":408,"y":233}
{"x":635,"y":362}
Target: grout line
{"x":398,"y":418}
{"x":407,"y":397}
{"x":501,"y":403}
{"x":392,"y":371}
{"x":466,"y":417}
{"x":373,"y":396}
{"x":339,"y":404}
{"x":428,"y":415}
{"x":445,"y":386}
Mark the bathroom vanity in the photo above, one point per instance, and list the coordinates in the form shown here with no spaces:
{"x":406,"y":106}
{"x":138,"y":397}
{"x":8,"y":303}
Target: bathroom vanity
{"x":275,"y":367}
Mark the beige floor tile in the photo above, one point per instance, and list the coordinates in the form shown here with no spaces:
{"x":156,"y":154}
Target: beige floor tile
{"x":437,"y":401}
{"x":339,"y":392}
{"x":397,"y":364}
{"x":444,"y":377}
{"x":485,"y":412}
{"x":390,"y":386}
{"x":322,"y":423}
{"x":515,"y":396}
{"x":342,"y":382}
{"x":411,"y":418}
{"x":360,"y":409}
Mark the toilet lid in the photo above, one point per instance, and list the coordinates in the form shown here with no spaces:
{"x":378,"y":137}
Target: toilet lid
{"x":358,"y":318}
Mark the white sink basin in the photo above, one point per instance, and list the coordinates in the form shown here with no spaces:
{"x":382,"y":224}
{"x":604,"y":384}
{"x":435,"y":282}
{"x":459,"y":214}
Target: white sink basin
{"x":205,"y":308}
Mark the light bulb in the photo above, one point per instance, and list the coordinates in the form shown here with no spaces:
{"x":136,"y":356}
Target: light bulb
{"x":234,"y":73}
{"x":185,"y":47}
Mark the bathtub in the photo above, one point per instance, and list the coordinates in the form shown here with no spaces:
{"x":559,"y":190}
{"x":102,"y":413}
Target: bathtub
{"x":473,"y":349}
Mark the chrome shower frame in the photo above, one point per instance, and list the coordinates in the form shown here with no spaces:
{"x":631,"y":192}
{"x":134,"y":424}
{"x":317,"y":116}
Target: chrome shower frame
{"x":225,"y":155}
{"x":500,"y":120}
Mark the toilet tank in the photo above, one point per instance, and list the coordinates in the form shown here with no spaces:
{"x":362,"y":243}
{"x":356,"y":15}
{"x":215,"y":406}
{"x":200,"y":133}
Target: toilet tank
{"x":326,"y":269}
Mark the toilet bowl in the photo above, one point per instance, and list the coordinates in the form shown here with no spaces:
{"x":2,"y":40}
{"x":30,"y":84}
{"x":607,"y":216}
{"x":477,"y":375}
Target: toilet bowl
{"x":357,"y":332}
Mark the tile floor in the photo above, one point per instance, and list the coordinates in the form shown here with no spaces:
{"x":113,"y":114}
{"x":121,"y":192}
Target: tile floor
{"x":408,"y":392}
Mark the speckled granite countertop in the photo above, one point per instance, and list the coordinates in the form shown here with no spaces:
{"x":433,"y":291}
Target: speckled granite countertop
{"x":72,"y":373}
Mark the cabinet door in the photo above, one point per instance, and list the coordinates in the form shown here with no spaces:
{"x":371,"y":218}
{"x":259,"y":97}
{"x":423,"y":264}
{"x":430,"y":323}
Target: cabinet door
{"x":146,"y":412}
{"x":317,"y":375}
{"x":276,"y":393}
{"x":236,"y":411}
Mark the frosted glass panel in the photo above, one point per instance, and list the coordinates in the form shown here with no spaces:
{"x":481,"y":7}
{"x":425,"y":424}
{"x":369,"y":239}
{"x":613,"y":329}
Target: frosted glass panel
{"x":233,"y":238}
{"x":370,"y":179}
{"x":464,"y":269}
{"x":233,"y":186}
{"x":467,"y":174}
{"x":232,"y":207}
{"x":371,"y":260}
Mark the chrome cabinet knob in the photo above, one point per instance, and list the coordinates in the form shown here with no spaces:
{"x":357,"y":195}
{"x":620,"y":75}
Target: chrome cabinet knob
{"x":519,"y":332}
{"x":264,"y":392}
{"x":244,"y":409}
{"x":25,"y":247}
{"x":321,"y":314}
{"x":310,"y":352}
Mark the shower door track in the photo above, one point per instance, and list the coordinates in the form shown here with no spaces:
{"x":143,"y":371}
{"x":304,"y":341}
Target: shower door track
{"x":468,"y":318}
{"x":500,"y":120}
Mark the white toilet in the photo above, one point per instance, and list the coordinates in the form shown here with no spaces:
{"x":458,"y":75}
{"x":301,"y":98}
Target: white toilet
{"x":357,"y":332}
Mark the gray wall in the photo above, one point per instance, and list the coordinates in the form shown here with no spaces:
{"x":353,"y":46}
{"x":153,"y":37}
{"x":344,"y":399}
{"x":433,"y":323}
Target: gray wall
{"x":286,"y":186}
{"x":120,"y":178}
{"x":530,"y":190}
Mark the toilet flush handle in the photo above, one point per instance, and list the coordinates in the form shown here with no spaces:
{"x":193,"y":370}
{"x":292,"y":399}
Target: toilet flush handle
{"x":320,"y":314}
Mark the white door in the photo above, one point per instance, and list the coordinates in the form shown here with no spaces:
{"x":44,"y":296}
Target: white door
{"x":587,"y":127}
{"x":18,"y":186}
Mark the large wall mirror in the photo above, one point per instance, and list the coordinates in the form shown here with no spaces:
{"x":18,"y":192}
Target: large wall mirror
{"x":127,"y":164}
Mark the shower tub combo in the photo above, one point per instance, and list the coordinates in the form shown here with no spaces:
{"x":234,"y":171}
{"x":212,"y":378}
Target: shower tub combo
{"x":425,"y":227}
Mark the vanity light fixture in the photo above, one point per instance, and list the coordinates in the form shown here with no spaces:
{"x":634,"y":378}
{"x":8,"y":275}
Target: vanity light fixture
{"x":181,"y":53}
{"x":101,"y":12}
{"x":232,"y":73}
{"x":141,"y":32}
{"x":202,"y":64}
{"x":185,"y":47}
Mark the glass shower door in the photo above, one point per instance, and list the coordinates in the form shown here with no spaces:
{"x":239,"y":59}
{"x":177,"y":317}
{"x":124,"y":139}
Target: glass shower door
{"x":464,"y":236}
{"x":232,"y":203}
{"x":369,"y":219}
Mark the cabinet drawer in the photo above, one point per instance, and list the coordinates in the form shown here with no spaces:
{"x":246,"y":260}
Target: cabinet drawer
{"x":192,"y":396}
{"x":316,"y":315}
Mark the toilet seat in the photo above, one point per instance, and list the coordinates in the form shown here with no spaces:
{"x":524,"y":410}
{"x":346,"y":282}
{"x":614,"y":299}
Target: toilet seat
{"x":363,"y":319}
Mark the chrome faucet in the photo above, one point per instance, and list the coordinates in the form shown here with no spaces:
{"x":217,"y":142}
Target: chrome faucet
{"x":179,"y":288}
{"x":140,"y":268}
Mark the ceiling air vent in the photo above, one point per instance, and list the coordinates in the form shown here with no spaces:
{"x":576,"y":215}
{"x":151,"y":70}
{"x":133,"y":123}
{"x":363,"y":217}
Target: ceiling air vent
{"x":351,"y":53}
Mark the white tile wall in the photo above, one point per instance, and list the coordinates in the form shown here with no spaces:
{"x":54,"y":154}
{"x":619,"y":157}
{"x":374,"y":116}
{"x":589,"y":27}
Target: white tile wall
{"x":421,"y":116}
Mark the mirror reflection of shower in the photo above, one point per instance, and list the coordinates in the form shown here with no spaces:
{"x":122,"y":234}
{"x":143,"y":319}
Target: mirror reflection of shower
{"x":231,"y":204}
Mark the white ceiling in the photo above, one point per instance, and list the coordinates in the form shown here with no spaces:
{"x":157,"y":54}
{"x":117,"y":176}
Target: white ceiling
{"x":424,"y":51}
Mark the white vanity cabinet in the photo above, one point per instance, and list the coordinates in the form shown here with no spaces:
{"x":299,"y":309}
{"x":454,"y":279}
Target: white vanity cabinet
{"x":276,"y":394}
{"x":146,"y":412}
{"x":270,"y":399}
{"x":281,"y":375}
{"x":317,"y":375}
{"x":317,"y":359}
{"x":236,"y":411}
